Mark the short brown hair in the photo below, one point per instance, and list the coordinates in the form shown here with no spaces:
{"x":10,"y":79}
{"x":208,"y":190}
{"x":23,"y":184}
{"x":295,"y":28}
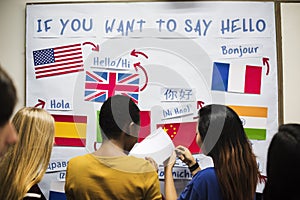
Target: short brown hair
{"x":8,"y":97}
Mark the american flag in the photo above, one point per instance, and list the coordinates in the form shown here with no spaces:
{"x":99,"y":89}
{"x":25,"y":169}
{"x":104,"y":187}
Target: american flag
{"x":58,"y":60}
{"x":101,"y":85}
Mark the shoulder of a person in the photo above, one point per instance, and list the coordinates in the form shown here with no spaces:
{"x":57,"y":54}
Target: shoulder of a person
{"x":204,"y":178}
{"x":80,"y":159}
{"x":138,"y":161}
{"x":207,"y":173}
{"x":142,"y":164}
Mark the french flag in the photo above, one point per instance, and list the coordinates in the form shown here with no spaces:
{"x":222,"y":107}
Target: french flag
{"x":230,"y":77}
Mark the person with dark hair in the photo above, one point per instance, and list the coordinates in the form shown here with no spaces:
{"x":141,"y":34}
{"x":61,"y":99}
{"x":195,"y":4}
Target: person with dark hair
{"x":8,"y":99}
{"x":220,"y":134}
{"x":283,"y":164}
{"x":109,"y":173}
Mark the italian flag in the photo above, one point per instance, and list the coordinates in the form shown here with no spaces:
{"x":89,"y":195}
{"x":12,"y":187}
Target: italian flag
{"x":254,"y":120}
{"x":99,"y":134}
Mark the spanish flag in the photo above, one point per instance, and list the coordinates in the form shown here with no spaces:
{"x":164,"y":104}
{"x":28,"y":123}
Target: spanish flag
{"x":254,"y":120}
{"x":70,"y":130}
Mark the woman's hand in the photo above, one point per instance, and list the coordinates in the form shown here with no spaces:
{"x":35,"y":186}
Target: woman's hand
{"x":185,"y":155}
{"x":170,"y":162}
{"x":170,"y":191}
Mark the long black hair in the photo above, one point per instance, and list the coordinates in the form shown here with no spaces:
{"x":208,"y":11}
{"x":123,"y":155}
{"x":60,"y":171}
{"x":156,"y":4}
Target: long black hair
{"x":283,"y":164}
{"x":224,"y":139}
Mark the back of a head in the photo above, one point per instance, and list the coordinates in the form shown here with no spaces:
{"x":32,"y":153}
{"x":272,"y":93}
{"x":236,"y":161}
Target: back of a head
{"x":116,"y":113}
{"x":283,"y":164}
{"x":224,"y":139}
{"x":35,"y":127}
{"x":220,"y":127}
{"x":8,"y":97}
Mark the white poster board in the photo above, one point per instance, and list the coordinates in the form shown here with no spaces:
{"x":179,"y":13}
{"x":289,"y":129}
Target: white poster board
{"x":171,"y":57}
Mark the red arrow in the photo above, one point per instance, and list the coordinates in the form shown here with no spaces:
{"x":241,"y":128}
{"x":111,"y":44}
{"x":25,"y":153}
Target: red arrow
{"x":96,"y":47}
{"x":40,"y":103}
{"x":200,"y":104}
{"x":136,"y":65}
{"x":135,"y":53}
{"x":266,"y":61}
{"x":262,"y":179}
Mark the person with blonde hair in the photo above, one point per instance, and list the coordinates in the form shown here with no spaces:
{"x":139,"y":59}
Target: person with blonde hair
{"x":26,"y":162}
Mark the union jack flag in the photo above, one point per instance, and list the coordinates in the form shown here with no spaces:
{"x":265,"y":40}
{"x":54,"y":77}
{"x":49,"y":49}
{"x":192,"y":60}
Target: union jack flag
{"x":101,"y":85}
{"x":58,"y":60}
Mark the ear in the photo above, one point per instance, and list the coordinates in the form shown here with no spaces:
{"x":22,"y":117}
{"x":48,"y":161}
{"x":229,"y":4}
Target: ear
{"x":134,"y":129}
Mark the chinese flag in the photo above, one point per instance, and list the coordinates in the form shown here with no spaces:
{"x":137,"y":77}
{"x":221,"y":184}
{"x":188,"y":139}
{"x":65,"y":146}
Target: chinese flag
{"x":182,"y":134}
{"x":145,"y":121}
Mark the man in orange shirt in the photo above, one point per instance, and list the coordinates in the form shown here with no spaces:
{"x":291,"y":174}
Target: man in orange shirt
{"x":109,"y":173}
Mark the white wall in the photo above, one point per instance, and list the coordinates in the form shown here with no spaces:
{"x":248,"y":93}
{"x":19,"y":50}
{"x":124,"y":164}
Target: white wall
{"x":12,"y":43}
{"x":290,"y":19}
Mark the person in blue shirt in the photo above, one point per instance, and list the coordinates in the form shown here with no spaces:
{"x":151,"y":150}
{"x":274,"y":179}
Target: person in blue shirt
{"x":235,"y":174}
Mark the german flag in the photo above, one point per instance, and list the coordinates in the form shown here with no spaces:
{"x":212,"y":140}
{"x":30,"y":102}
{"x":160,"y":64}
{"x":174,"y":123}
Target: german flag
{"x":70,"y":130}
